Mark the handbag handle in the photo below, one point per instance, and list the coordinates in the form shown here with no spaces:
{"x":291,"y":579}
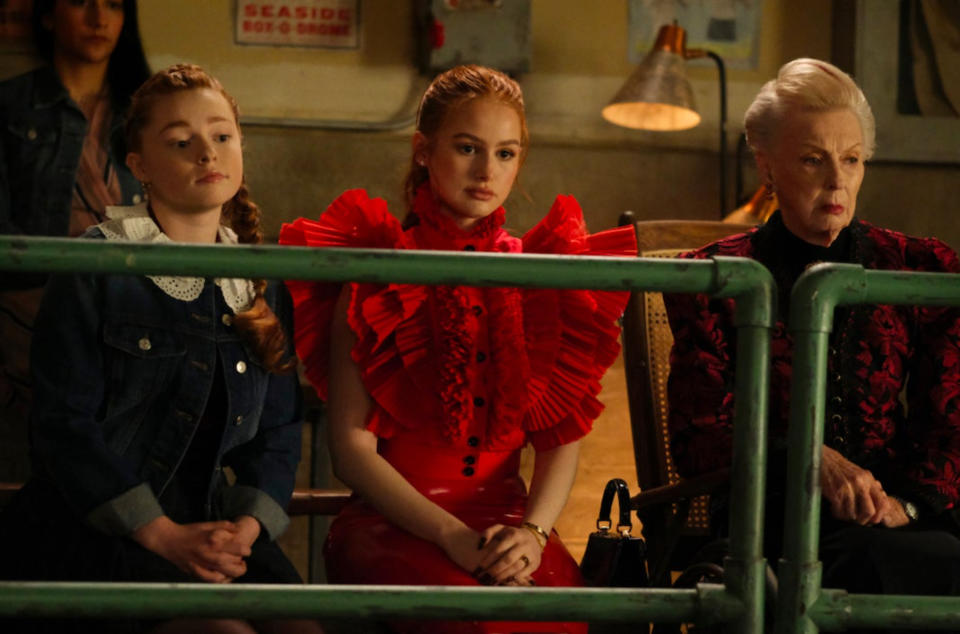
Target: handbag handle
{"x":619,"y":487}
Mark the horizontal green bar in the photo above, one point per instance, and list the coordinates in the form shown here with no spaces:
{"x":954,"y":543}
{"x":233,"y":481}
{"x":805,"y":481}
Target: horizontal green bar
{"x":707,"y":603}
{"x":836,"y":610}
{"x":907,"y":287}
{"x":364,"y":265}
{"x":823,"y":287}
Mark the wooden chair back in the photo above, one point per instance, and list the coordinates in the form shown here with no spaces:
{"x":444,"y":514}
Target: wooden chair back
{"x":647,"y":341}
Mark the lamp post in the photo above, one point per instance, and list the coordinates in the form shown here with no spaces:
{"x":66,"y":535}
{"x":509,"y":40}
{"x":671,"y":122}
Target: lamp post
{"x":658,"y":96}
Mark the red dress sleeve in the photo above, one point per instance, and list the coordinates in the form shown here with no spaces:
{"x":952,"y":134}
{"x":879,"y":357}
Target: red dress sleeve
{"x":571,"y":335}
{"x":352,"y":220}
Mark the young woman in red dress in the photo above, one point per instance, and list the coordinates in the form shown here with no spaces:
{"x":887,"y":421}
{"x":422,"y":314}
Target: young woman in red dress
{"x":432,"y":391}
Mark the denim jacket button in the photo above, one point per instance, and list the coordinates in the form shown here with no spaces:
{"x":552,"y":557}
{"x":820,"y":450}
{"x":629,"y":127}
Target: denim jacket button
{"x":32,"y":134}
{"x":226,"y":319}
{"x":144,"y":344}
{"x":241,"y":367}
{"x":136,"y":199}
{"x":239,"y":420}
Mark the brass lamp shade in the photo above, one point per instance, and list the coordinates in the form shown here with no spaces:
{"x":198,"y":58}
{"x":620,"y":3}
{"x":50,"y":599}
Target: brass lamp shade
{"x":657,"y":96}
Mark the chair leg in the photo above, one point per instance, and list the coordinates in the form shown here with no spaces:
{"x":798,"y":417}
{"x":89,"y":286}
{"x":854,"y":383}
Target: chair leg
{"x":660,"y":571}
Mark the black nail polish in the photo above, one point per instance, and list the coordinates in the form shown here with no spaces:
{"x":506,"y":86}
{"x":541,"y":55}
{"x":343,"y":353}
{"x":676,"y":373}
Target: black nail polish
{"x":483,"y":541}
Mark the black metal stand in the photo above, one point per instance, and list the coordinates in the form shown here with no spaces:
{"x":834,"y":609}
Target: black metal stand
{"x":721,"y":70}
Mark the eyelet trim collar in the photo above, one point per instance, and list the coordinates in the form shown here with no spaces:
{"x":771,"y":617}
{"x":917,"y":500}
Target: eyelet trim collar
{"x":133,"y":223}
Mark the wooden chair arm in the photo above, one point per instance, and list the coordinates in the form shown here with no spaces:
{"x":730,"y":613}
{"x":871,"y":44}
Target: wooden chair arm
{"x":318,"y":501}
{"x":684,"y":489}
{"x":7,"y":491}
{"x":303,"y":502}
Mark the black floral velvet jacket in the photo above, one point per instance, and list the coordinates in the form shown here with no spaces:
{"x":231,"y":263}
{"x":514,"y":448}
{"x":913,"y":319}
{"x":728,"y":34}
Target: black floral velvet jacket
{"x":876,"y":354}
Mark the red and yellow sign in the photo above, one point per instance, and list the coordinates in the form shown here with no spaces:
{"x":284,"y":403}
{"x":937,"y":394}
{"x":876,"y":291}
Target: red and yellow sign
{"x":321,"y":23}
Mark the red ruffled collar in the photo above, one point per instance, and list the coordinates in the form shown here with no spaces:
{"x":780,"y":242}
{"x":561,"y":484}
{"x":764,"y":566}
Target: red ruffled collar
{"x":427,"y":209}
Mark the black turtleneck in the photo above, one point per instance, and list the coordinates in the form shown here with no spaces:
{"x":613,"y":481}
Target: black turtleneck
{"x":788,"y":256}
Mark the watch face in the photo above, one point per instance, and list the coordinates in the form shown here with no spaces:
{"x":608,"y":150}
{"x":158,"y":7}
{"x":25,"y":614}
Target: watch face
{"x":911,"y":510}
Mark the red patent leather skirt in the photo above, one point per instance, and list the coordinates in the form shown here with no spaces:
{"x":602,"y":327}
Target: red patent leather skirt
{"x":364,"y":548}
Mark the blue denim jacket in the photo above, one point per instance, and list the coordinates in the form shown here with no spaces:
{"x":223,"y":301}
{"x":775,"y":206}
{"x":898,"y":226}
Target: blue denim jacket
{"x":122,"y":373}
{"x":40,"y":145}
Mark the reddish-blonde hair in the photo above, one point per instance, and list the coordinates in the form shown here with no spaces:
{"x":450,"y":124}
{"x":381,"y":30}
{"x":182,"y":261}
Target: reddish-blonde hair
{"x":259,"y":325}
{"x":452,"y":89}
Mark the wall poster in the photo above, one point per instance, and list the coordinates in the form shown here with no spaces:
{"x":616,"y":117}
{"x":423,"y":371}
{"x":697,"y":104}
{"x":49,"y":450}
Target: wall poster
{"x":729,"y":28}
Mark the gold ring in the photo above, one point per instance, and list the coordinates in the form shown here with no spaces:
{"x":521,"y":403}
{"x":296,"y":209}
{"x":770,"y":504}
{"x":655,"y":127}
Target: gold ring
{"x":525,"y":560}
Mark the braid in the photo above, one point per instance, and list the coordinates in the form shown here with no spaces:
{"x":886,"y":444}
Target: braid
{"x":258,"y":325}
{"x":243,"y":216}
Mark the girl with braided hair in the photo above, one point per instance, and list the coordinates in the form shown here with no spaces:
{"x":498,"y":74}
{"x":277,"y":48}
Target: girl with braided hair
{"x":150,"y":387}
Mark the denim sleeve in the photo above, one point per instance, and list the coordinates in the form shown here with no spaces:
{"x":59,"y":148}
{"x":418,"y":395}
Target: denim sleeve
{"x":266,"y":466}
{"x":69,"y":446}
{"x":20,"y":280}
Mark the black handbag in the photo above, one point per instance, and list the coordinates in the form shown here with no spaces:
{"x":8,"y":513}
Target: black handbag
{"x":615,"y":558}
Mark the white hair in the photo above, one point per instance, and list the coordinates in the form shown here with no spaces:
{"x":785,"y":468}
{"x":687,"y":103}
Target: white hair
{"x":808,"y":84}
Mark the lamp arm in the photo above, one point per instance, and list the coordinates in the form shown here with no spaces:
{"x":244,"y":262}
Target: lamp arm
{"x":721,"y":70}
{"x":694,"y":53}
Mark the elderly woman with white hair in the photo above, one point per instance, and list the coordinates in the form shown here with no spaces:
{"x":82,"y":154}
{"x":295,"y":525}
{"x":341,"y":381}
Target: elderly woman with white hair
{"x":890,"y":473}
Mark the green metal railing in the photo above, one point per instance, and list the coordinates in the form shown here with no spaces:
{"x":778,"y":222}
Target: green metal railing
{"x":740,"y":603}
{"x":802,"y":605}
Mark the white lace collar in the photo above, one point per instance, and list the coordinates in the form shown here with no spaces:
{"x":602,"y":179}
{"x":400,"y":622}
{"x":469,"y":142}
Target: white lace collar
{"x":134,"y":223}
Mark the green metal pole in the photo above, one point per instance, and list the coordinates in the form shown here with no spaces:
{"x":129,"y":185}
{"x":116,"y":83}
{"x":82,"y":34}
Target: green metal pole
{"x":812,"y":302}
{"x":745,"y":566}
{"x":746,"y":280}
{"x":802,"y":605}
{"x":362,"y":265}
{"x":799,"y":570}
{"x":706,"y":603}
{"x":836,"y":611}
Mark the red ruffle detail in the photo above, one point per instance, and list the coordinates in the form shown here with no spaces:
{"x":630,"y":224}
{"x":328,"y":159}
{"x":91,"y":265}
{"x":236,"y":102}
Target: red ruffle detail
{"x":571,"y":336}
{"x":455,"y":345}
{"x":352,"y":220}
{"x":511,"y":374}
{"x":548,"y":348}
{"x":395,"y":352}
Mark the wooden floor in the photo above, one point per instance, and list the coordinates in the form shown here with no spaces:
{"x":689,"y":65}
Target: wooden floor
{"x":607,"y":452}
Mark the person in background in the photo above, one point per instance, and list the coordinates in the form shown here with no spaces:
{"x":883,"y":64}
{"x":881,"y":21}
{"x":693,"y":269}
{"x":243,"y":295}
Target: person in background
{"x":61,"y":164}
{"x":150,"y":387}
{"x":433,"y":390}
{"x":890,"y":472}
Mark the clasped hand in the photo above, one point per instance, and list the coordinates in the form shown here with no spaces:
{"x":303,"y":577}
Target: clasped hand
{"x":855,"y":495}
{"x":209,"y":551}
{"x":498,"y":555}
